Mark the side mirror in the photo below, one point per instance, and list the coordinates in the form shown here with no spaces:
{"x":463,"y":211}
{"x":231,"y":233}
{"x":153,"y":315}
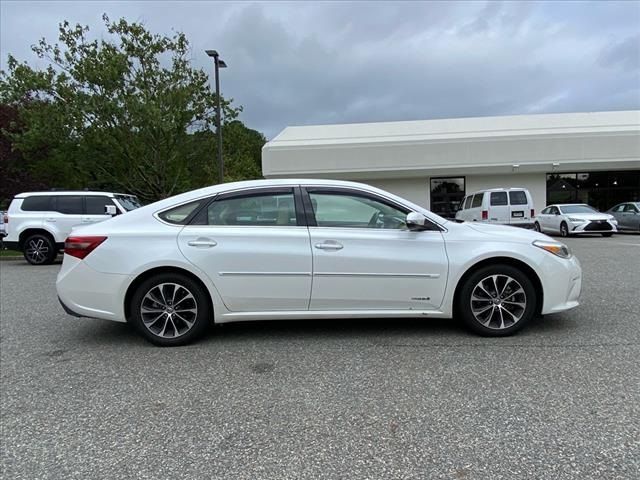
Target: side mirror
{"x":110,"y":210}
{"x":416,"y":221}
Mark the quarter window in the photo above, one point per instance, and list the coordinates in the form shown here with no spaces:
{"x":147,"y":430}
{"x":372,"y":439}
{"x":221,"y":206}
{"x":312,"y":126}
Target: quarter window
{"x":467,"y":202}
{"x":38,"y":203}
{"x":355,"y":211}
{"x":499,"y":198}
{"x":265,"y":209}
{"x":180,"y":215}
{"x":477,"y":200}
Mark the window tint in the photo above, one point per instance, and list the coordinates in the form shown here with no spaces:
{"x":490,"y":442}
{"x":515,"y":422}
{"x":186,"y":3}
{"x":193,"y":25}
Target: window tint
{"x":128,"y":202}
{"x":477,"y":200}
{"x":69,"y":204}
{"x":95,"y":205}
{"x":546,"y":211}
{"x":467,"y":202}
{"x":266,"y":209}
{"x":179,"y":215}
{"x":578,"y":209}
{"x":618,"y":208}
{"x":554,"y":211}
{"x":629,"y":207}
{"x":40,"y":203}
{"x":499,"y":198}
{"x":518,"y":198}
{"x":354,"y":211}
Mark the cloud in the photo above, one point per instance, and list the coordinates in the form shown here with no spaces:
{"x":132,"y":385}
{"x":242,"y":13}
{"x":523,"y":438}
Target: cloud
{"x":336,"y":62}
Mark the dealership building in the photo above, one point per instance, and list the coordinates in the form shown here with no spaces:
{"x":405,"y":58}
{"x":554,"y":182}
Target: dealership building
{"x":589,"y":158}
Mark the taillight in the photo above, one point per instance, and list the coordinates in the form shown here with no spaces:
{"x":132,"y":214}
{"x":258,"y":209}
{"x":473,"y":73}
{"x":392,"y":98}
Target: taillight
{"x":485,"y":215}
{"x":6,"y":218}
{"x":80,"y":247}
{"x":533,"y":213}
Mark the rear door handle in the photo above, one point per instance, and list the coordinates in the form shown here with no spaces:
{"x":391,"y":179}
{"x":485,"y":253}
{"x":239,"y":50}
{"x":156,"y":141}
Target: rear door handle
{"x":329,"y":245}
{"x":202,"y":243}
{"x":52,"y":220}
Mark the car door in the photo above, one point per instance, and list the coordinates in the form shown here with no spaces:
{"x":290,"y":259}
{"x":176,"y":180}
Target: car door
{"x":630,"y":217}
{"x":364,"y":258}
{"x":68,"y":213}
{"x":254,"y":246}
{"x":94,"y":208}
{"x":555,"y":219}
{"x":499,"y":207}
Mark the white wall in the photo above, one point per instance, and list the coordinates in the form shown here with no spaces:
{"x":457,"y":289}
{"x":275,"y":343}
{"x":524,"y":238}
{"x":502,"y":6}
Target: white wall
{"x":417,"y":189}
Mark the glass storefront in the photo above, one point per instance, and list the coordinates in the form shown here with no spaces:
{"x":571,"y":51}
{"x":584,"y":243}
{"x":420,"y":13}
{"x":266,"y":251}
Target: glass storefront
{"x":446,"y":195}
{"x":601,"y":190}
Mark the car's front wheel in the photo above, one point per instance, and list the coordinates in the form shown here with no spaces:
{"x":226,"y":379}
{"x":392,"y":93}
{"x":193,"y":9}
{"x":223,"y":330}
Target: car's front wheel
{"x":564,"y":229}
{"x":497,"y":300}
{"x":170,"y":309}
{"x":39,"y":249}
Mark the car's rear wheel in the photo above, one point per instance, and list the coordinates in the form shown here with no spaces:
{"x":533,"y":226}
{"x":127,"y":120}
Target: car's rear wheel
{"x":607,"y":234}
{"x":536,"y":227}
{"x":170,"y":309}
{"x":39,"y":249}
{"x":564,"y":229}
{"x":497,"y":300}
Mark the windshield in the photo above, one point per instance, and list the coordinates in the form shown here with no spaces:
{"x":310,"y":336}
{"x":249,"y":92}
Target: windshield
{"x":128,"y":202}
{"x":577,"y":209}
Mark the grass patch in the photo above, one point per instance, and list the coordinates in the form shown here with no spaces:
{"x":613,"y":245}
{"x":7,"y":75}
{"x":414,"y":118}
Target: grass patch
{"x":10,"y":253}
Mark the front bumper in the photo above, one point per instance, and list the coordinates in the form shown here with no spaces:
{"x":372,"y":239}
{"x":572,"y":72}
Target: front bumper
{"x":563,"y":285}
{"x":593,"y":227}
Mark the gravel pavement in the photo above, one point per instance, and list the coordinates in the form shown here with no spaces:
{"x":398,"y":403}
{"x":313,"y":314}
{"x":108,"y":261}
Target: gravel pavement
{"x":378,"y":399}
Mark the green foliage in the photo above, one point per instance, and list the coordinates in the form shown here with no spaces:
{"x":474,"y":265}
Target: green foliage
{"x":126,"y":112}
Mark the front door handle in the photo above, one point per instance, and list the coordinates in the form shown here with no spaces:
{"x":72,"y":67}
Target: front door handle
{"x":202,"y":243}
{"x":52,"y":220}
{"x":329,"y":245}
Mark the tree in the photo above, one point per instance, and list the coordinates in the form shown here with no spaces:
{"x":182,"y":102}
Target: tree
{"x":127,"y":112}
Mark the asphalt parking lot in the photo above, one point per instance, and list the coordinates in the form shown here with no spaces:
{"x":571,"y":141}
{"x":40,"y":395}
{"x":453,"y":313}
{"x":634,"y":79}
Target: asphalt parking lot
{"x":380,"y":399}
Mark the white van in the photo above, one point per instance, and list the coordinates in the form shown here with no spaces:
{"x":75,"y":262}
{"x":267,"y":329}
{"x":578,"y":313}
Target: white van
{"x":505,"y":206}
{"x":38,"y":223}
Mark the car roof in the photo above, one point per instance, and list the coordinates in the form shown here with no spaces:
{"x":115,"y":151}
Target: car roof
{"x":499,"y":190}
{"x":68,"y":192}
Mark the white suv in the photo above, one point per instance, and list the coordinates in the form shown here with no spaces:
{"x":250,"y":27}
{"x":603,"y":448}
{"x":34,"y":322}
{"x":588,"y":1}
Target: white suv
{"x":505,"y":206}
{"x":38,"y":223}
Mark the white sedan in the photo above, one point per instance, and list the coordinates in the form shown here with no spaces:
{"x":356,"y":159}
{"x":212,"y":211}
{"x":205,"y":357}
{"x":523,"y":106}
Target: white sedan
{"x":297,"y":249}
{"x":575,"y":219}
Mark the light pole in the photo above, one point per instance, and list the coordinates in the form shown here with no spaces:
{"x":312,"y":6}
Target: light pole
{"x":218,"y":63}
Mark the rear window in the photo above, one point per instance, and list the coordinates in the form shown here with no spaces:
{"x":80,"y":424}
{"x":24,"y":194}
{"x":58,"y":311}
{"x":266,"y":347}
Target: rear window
{"x":477,"y":200}
{"x":498,"y":198}
{"x":182,"y":214}
{"x":518,"y":198}
{"x":39,"y":203}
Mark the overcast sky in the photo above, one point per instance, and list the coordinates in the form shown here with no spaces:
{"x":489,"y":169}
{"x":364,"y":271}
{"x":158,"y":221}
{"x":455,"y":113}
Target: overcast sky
{"x":327,"y":62}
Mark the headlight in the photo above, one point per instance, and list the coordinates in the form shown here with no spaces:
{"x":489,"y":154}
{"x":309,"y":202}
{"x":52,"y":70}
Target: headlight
{"x":558,"y":249}
{"x":577,"y":220}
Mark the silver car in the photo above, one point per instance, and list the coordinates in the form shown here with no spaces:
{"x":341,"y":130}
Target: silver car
{"x":628,"y":215}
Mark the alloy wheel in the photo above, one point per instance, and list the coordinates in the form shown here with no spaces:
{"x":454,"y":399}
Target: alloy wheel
{"x":168,"y":310}
{"x":564,"y":230}
{"x":498,"y":302}
{"x":37,"y":251}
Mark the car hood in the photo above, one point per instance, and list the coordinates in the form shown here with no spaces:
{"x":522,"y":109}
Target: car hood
{"x":589,"y":216}
{"x":506,"y":233}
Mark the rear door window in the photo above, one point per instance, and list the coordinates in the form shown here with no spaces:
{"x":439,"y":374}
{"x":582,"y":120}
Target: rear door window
{"x":69,"y":204}
{"x":477,"y":200}
{"x":498,"y":198}
{"x":518,"y":198}
{"x":39,"y":203}
{"x":467,"y":202}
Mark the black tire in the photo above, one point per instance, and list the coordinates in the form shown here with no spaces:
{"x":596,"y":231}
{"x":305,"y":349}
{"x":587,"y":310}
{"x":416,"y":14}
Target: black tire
{"x":536,"y":227}
{"x":607,"y":234}
{"x":464,"y":301}
{"x":39,"y":249}
{"x":200,"y":300}
{"x":564,"y":229}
